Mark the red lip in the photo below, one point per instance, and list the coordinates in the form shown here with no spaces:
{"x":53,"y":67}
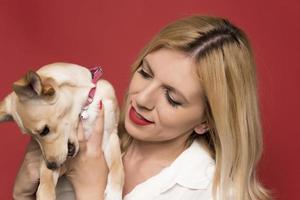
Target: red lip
{"x":137,"y":119}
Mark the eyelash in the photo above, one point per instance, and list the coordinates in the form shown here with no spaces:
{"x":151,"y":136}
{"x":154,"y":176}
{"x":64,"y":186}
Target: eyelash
{"x":166,"y":92}
{"x":144,"y":74}
{"x":172,"y":102}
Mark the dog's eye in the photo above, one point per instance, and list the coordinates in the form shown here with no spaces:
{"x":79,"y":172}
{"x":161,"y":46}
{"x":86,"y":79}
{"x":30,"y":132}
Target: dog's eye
{"x":45,"y":131}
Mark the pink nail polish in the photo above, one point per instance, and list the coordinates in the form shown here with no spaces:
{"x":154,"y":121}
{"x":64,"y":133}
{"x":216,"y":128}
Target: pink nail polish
{"x":100,"y":105}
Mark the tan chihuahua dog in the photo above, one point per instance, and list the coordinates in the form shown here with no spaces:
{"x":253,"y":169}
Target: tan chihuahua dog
{"x":47,"y":104}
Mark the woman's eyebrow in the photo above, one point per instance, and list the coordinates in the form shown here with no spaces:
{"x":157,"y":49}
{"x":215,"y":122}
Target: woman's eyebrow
{"x":146,"y":64}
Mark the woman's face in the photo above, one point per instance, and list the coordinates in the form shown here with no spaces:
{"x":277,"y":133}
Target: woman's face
{"x":164,"y":98}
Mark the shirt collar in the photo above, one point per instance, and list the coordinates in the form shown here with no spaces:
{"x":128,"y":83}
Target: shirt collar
{"x":194,"y":168}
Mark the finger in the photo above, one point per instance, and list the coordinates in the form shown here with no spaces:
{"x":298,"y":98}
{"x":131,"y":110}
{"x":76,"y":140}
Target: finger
{"x":80,"y":132}
{"x":81,"y":136}
{"x":97,"y":133}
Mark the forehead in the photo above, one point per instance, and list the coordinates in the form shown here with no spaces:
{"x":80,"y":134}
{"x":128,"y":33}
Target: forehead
{"x":34,"y":113}
{"x":176,"y":69}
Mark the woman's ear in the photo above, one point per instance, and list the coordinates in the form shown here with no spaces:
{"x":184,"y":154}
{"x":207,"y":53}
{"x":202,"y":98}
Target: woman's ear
{"x":201,"y":128}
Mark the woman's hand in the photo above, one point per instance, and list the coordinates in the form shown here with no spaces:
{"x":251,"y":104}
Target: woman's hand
{"x":27,"y":180}
{"x":88,"y":170}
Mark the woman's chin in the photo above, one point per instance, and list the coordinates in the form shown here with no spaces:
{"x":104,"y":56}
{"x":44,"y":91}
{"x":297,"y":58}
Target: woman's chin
{"x":132,"y":129}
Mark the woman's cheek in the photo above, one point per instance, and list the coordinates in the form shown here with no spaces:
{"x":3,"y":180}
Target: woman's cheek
{"x":177,"y":118}
{"x":168,"y":116}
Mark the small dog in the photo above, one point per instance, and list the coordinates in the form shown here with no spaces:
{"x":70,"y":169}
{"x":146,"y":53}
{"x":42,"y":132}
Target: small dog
{"x":47,"y":104}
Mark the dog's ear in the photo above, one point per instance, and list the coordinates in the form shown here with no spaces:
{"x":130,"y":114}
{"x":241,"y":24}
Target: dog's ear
{"x":4,"y":115}
{"x":29,"y":86}
{"x":49,"y":87}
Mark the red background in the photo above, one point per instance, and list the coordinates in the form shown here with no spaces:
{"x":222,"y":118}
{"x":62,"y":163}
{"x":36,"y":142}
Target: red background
{"x":111,"y":33}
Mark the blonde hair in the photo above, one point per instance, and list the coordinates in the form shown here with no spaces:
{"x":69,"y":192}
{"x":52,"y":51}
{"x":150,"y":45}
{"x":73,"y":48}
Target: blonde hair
{"x":227,"y":74}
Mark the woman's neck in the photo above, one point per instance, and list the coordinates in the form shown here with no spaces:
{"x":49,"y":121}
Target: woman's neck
{"x":164,"y":152}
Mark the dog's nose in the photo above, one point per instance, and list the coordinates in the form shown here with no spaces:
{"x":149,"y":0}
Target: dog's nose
{"x":52,"y":165}
{"x":71,"y":149}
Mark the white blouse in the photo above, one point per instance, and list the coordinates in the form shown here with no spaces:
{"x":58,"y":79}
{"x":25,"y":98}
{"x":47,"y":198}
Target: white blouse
{"x":188,"y":177}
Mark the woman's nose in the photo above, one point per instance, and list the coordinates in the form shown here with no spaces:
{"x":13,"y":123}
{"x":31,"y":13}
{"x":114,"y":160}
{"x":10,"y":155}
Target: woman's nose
{"x":145,"y":98}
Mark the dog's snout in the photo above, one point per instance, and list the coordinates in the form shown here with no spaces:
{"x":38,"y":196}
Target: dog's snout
{"x":71,"y":149}
{"x":52,"y":165}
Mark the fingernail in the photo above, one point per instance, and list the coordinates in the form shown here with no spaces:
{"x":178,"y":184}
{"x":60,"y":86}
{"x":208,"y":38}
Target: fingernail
{"x":100,"y":105}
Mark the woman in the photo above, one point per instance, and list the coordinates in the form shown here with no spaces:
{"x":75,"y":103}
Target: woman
{"x":190,"y":126}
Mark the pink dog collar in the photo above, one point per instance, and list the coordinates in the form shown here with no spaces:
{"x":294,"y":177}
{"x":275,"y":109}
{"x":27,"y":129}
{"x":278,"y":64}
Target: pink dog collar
{"x":96,"y":73}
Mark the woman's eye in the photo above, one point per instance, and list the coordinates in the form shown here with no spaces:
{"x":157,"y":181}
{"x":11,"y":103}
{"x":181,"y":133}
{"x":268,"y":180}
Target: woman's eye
{"x":169,"y":99}
{"x":173,"y":103}
{"x":144,"y":74}
{"x":45,"y":131}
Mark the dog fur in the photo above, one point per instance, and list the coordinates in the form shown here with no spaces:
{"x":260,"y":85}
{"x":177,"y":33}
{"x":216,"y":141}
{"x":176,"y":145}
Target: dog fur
{"x":53,"y":97}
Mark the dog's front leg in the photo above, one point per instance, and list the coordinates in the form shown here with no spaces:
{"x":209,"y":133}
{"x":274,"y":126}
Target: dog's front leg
{"x":48,"y":181}
{"x":116,"y":169}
